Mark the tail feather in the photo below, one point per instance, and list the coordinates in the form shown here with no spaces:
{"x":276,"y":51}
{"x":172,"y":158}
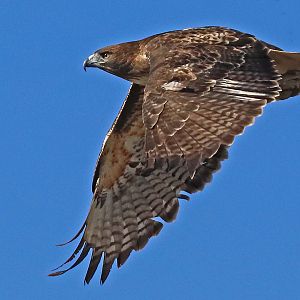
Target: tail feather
{"x":286,"y":61}
{"x":288,"y":65}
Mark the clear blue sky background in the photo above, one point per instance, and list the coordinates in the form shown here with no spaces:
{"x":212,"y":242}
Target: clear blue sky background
{"x":239,"y":239}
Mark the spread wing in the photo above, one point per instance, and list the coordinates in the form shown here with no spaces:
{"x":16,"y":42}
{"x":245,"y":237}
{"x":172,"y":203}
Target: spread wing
{"x":127,"y":195}
{"x":204,"y":87}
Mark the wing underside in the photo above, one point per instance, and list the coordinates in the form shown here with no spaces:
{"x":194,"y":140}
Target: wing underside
{"x":121,"y":217}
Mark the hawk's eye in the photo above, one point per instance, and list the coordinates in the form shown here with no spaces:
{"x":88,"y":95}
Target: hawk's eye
{"x":105,"y":54}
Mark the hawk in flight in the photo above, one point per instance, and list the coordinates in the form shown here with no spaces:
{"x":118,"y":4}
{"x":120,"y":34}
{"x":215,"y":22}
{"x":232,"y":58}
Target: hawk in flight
{"x":192,"y":92}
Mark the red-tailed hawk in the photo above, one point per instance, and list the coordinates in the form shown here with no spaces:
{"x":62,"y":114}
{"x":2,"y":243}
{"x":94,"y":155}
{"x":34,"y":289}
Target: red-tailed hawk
{"x":192,"y":92}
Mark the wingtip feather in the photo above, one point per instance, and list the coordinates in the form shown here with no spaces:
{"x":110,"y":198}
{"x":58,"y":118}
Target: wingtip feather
{"x":58,"y":273}
{"x":73,"y":238}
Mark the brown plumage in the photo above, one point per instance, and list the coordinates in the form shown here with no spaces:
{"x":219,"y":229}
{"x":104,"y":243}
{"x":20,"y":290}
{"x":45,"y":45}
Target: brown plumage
{"x":193,"y":91}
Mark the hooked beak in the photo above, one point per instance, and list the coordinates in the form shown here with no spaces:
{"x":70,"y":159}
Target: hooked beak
{"x":85,"y":64}
{"x":92,"y":62}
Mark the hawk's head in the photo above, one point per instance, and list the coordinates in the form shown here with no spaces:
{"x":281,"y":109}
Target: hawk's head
{"x":124,"y":60}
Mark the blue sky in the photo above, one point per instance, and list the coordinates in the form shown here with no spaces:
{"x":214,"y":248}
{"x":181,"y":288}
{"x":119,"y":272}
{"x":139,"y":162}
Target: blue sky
{"x":239,"y":239}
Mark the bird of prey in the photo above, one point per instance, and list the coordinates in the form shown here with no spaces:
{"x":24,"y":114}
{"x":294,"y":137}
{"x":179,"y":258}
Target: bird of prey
{"x":192,"y":92}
